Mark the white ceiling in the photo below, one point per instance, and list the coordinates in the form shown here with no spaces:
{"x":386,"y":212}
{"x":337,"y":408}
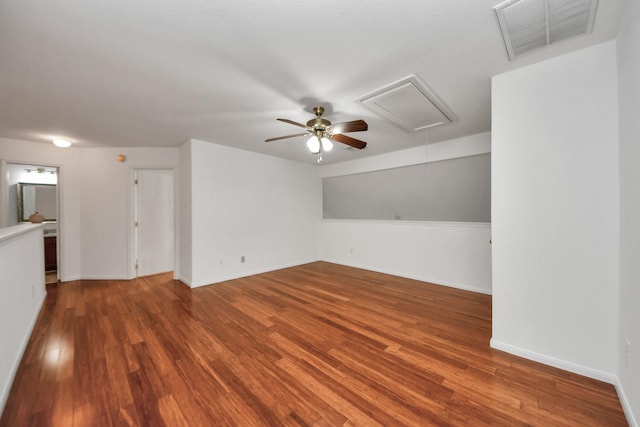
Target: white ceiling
{"x":139,"y":73}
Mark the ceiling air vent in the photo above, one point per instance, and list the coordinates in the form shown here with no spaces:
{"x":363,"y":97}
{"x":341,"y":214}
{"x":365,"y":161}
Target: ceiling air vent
{"x":410,"y":104}
{"x":531,"y":24}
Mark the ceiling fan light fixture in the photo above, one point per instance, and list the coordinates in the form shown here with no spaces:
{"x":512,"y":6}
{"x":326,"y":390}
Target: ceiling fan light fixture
{"x":327,"y":145}
{"x":313,"y":144}
{"x":322,"y":135}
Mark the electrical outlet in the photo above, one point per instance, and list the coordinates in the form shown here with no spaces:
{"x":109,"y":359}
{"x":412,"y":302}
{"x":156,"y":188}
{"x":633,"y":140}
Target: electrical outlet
{"x":33,"y":291}
{"x":628,"y":352}
{"x":221,"y":261}
{"x":242,"y":258}
{"x":351,"y":251}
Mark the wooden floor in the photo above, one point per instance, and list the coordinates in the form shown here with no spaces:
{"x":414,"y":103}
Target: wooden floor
{"x":51,"y":277}
{"x":318,"y":344}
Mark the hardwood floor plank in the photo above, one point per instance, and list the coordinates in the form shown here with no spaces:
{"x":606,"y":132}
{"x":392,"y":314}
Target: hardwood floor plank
{"x":146,"y":406}
{"x":194,"y":399}
{"x":171,"y":413}
{"x":314,"y":345}
{"x":391,"y":370}
{"x":325,"y":393}
{"x":63,"y":402}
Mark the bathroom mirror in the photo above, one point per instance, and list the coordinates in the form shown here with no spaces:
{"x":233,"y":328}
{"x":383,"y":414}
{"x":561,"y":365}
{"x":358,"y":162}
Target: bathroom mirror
{"x":34,"y":198}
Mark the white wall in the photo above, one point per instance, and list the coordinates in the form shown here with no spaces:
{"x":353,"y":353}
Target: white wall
{"x":555,"y":211}
{"x":96,"y":194}
{"x":22,"y":292}
{"x":246,"y":204}
{"x":629,"y":94}
{"x":233,"y":203}
{"x":107,"y":207}
{"x":451,"y":254}
{"x":445,"y":253}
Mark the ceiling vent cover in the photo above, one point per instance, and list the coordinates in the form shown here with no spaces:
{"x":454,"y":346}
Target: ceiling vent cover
{"x":531,"y":24}
{"x":410,"y":104}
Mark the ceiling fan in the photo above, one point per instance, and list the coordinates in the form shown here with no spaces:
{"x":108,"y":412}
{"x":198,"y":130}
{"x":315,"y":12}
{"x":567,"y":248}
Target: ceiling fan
{"x":322,"y":132}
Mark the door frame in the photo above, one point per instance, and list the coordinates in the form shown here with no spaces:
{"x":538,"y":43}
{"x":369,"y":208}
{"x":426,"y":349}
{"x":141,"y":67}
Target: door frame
{"x":132,"y":217}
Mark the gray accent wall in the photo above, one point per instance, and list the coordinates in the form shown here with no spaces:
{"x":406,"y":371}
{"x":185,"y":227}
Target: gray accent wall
{"x":456,"y":190}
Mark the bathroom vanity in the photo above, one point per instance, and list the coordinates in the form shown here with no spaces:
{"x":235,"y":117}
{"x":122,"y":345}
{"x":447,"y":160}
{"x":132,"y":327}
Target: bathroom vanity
{"x":50,"y":253}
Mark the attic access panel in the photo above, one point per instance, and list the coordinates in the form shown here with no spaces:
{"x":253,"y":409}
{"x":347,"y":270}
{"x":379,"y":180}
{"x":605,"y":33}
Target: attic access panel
{"x":528,"y":25}
{"x":410,"y":104}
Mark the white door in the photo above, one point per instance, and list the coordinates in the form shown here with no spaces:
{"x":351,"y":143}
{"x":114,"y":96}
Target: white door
{"x":154,"y":219}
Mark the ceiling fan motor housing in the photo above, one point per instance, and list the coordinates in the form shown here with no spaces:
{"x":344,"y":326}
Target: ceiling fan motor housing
{"x":318,"y":124}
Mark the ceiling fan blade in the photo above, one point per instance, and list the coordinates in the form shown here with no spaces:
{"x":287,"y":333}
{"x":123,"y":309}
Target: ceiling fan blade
{"x":355,"y":143}
{"x":291,"y":122}
{"x":353,"y":126}
{"x":285,"y":137}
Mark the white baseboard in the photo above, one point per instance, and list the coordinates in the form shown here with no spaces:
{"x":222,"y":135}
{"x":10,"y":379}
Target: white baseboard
{"x":185,"y":281}
{"x":434,"y":281}
{"x":576,"y":369}
{"x":556,"y":363}
{"x":6,"y":388}
{"x":626,"y":405}
{"x":241,"y":274}
{"x":106,"y":277}
{"x":96,"y":277}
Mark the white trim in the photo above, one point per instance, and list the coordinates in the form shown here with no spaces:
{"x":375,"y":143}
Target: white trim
{"x":10,"y":233}
{"x":104,"y":277}
{"x":555,"y":362}
{"x":183,"y":280}
{"x":240,"y":275}
{"x":131,"y":200}
{"x":212,"y":281}
{"x":6,"y":388}
{"x":626,"y":405}
{"x":406,"y":276}
{"x":433,"y":281}
{"x":411,"y":223}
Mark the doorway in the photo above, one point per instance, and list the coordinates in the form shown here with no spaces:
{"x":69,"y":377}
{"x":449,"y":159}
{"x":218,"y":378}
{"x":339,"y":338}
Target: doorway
{"x":154,"y":220}
{"x":35,"y":188}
